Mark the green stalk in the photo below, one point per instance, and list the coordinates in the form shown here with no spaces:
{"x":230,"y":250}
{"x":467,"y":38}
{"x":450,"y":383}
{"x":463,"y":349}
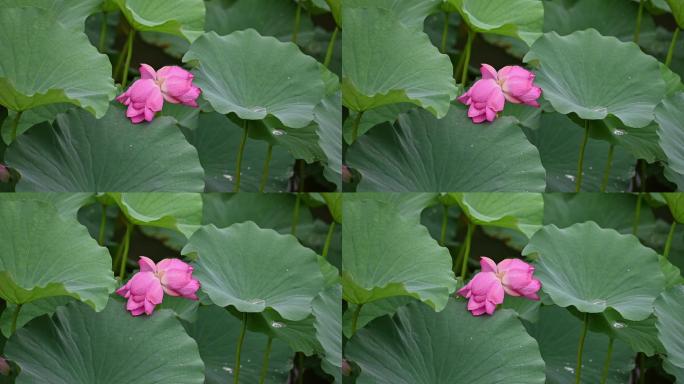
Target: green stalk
{"x":638,"y":21}
{"x":668,"y":243}
{"x":126,"y":247}
{"x":15,"y":317}
{"x":120,"y":60}
{"x":129,"y":56}
{"x":238,"y":352}
{"x":241,"y":152}
{"x":328,"y":239}
{"x":295,"y":214}
{"x":580,"y":161}
{"x":355,"y":317}
{"x":300,"y":368}
{"x":331,"y":47}
{"x":606,"y":363}
{"x":298,"y":21}
{"x":642,"y":369}
{"x":103,"y":224}
{"x":264,"y":364}
{"x":673,"y":43}
{"x":445,"y":33}
{"x":267,"y":165}
{"x":355,"y":126}
{"x":468,"y":49}
{"x":103,"y":32}
{"x":445,"y":220}
{"x":466,"y":251}
{"x":15,"y":125}
{"x":606,"y":171}
{"x":580,"y":349}
{"x":637,"y":215}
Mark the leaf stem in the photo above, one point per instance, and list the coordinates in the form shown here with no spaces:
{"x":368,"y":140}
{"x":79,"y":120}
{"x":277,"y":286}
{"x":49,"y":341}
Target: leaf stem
{"x":328,"y":239}
{"x":267,"y":164}
{"x":15,"y":125}
{"x":637,"y":215}
{"x":637,"y":30}
{"x":15,"y":317}
{"x":331,"y":47}
{"x":129,"y":56}
{"x":238,"y":352}
{"x":445,"y":32}
{"x":103,"y":225}
{"x":668,"y":243}
{"x":580,"y":161}
{"x":445,"y":220}
{"x":264,"y":364}
{"x":580,"y":349}
{"x":606,"y":171}
{"x":298,"y":20}
{"x":466,"y":251}
{"x":606,"y":363}
{"x":670,"y":51}
{"x":355,"y":317}
{"x":295,"y":214}
{"x":120,"y":60}
{"x":468,"y":49}
{"x":126,"y":247}
{"x":355,"y":126}
{"x":103,"y":32}
{"x":241,"y":152}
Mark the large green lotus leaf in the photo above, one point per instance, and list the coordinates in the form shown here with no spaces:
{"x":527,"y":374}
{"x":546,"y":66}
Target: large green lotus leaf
{"x":521,"y":211}
{"x":299,"y":335}
{"x":272,"y":211}
{"x":420,"y":346}
{"x":334,"y":202}
{"x":327,"y":310}
{"x":409,"y":205}
{"x":669,"y":310}
{"x":385,"y":114}
{"x":30,"y":311}
{"x":328,"y":116}
{"x":229,"y":261}
{"x":372,"y":311}
{"x":669,"y":115}
{"x":216,"y":333}
{"x":677,"y":8}
{"x":558,"y":140}
{"x":386,"y":255}
{"x":522,"y":19}
{"x":675,"y":201}
{"x":43,"y":254}
{"x":642,"y":142}
{"x":608,"y":17}
{"x":596,"y":76}
{"x":67,"y":204}
{"x":411,"y":13}
{"x":641,"y":336}
{"x":421,"y":153}
{"x":255,"y":76}
{"x":217,"y":138}
{"x":177,"y":17}
{"x":30,"y":118}
{"x":557,"y":332}
{"x":178,"y":211}
{"x":594,"y":269}
{"x":71,"y":13}
{"x":398,"y":65}
{"x":79,"y":346}
{"x":29,"y":74}
{"x":302,"y":143}
{"x":81,"y":153}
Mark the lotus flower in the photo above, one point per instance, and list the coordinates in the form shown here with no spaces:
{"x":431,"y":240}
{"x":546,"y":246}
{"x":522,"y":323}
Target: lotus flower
{"x":146,"y":96}
{"x":4,"y":174}
{"x":488,"y":95}
{"x":486,"y":290}
{"x":4,"y":367}
{"x":145,"y":290}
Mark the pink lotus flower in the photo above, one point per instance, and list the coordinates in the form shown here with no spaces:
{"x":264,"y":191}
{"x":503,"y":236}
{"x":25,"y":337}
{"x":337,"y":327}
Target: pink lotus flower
{"x":4,"y":367}
{"x":485,"y":99}
{"x":4,"y":174}
{"x":146,"y":288}
{"x":516,"y":82}
{"x":146,"y":96}
{"x":486,"y":290}
{"x":175,"y":84}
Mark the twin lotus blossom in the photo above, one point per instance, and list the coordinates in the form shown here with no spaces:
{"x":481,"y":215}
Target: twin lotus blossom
{"x":146,"y":96}
{"x":486,"y":290}
{"x":145,"y":290}
{"x":4,"y":174}
{"x":488,"y":95}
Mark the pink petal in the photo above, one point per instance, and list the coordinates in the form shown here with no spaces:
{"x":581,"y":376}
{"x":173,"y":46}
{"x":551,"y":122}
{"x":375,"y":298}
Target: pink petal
{"x":146,"y":264}
{"x":487,"y":264}
{"x":488,"y":72}
{"x":147,"y":72}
